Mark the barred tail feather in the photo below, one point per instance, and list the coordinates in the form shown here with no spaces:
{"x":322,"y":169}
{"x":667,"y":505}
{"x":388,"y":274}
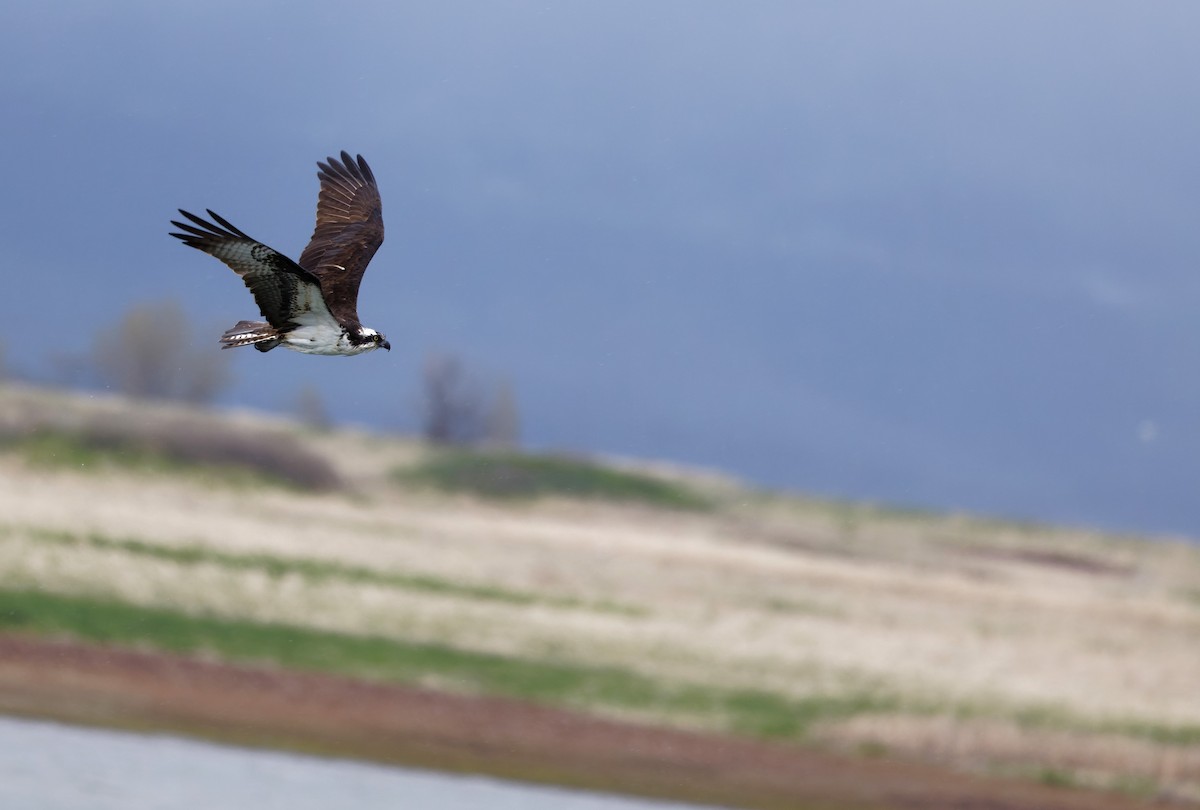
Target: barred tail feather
{"x":261,"y":336}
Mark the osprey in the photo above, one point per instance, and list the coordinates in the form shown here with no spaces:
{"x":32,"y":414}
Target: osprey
{"x":311,"y":306}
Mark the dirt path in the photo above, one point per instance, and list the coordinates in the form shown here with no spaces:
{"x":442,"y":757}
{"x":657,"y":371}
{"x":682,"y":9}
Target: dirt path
{"x":395,"y":724}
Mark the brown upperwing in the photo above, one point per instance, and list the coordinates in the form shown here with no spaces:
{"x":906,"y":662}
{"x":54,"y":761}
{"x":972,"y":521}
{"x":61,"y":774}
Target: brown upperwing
{"x":349,"y":231}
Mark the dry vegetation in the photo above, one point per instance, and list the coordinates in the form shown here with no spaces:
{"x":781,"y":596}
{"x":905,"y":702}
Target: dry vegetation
{"x":1066,"y":656}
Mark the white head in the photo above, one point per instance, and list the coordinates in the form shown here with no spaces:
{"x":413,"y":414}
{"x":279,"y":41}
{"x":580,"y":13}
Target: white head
{"x":367,"y":339}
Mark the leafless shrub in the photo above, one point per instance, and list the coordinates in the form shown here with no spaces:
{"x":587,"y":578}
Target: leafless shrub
{"x":461,"y":409}
{"x":150,"y":354}
{"x":180,"y":438}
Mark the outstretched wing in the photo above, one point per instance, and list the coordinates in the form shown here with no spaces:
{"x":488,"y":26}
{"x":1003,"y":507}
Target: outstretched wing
{"x":281,"y":288}
{"x":349,"y":231}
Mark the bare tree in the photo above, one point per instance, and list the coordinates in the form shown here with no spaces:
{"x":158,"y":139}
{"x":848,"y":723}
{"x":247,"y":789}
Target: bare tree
{"x":150,"y":354}
{"x":503,"y":418}
{"x":453,"y":402}
{"x":460,"y":408}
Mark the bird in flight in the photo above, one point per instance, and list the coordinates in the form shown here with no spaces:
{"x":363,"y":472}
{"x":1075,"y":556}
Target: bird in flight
{"x":310,"y":306}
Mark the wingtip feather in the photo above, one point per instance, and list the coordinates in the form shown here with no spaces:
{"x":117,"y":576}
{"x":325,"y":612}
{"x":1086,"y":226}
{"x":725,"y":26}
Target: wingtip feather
{"x":350,"y":172}
{"x":368,"y":175}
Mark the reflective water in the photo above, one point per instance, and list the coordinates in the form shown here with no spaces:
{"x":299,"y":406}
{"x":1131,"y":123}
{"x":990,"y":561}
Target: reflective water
{"x":45,"y":766}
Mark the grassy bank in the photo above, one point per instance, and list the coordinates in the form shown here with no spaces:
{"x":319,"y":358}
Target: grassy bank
{"x":604,"y":689}
{"x":1059,"y":654}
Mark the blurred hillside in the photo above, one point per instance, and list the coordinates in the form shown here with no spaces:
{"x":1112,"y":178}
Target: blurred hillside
{"x":621,"y":589}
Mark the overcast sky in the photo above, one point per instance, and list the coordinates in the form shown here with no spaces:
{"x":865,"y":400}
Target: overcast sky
{"x":937,"y":254}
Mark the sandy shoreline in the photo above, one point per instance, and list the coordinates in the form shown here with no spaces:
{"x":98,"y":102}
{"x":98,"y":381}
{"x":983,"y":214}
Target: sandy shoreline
{"x":387,"y":723}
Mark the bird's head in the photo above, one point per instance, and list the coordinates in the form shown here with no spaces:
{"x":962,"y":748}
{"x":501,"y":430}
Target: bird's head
{"x":372,"y":339}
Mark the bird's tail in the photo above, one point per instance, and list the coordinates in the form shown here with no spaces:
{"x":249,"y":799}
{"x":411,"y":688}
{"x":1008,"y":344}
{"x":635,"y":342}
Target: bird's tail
{"x":261,"y":336}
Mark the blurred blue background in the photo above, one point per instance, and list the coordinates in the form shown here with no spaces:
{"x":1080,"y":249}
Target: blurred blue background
{"x":935,"y":254}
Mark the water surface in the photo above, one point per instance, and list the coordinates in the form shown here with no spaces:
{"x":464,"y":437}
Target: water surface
{"x":46,"y":766}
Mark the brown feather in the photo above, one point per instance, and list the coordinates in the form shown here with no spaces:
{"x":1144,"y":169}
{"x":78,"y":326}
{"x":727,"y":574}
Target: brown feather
{"x":349,"y":230}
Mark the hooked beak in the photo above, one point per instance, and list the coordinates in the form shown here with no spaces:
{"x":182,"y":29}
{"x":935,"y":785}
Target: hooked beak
{"x":386,"y":345}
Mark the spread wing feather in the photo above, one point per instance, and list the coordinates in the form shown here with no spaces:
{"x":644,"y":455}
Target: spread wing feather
{"x":281,"y":288}
{"x":348,"y":232}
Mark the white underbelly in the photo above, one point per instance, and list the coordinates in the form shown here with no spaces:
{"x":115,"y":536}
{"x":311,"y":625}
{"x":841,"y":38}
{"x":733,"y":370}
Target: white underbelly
{"x":322,"y":339}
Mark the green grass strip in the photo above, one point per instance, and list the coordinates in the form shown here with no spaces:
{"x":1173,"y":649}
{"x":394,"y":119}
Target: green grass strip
{"x":316,"y":571}
{"x":509,"y":475}
{"x":107,"y":621}
{"x":1055,"y":718}
{"x":62,"y":450}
